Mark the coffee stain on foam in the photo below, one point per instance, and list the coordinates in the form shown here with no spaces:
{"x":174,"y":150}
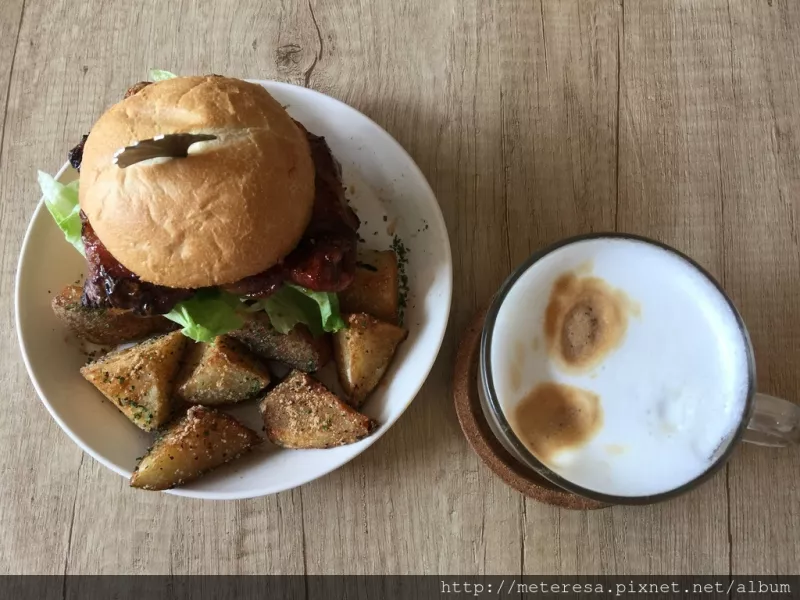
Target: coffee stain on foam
{"x":515,"y":377}
{"x":585,"y":320}
{"x":555,"y":417}
{"x":519,"y":351}
{"x":515,"y":368}
{"x":616,"y":449}
{"x":585,"y":268}
{"x":635,"y":309}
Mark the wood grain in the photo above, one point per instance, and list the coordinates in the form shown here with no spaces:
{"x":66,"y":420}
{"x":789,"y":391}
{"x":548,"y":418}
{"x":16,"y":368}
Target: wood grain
{"x":421,"y":502}
{"x":160,"y":534}
{"x":532,"y":121}
{"x":761,"y":200}
{"x":672,"y":90}
{"x":10,"y":24}
{"x":38,"y":465}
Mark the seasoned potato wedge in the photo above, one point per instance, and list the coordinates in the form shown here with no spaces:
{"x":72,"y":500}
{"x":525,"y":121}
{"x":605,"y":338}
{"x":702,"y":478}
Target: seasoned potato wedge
{"x":139,"y":380}
{"x":302,"y":413}
{"x":298,"y":348}
{"x":375,"y":289}
{"x":223,"y":372}
{"x":108,"y":326}
{"x":203,"y":440}
{"x":362,"y":352}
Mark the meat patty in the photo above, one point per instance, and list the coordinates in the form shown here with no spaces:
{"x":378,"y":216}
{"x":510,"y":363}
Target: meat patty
{"x":260,"y":285}
{"x":324,"y":260}
{"x":325,"y":263}
{"x":331,"y":213}
{"x":109,"y":284}
{"x":76,"y":154}
{"x":136,"y":88}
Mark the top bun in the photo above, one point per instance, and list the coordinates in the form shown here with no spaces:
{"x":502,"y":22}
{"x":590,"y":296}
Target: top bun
{"x":234,"y":207}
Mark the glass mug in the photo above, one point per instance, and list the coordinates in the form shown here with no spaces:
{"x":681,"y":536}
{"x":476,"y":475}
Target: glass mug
{"x":765,"y":420}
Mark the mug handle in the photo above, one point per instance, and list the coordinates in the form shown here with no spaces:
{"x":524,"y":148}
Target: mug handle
{"x":774,"y":423}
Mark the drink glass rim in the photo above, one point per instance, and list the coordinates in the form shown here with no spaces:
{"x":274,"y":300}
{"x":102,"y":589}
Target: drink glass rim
{"x":493,"y":404}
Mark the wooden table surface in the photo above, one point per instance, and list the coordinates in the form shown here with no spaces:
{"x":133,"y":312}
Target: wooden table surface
{"x":532,"y":120}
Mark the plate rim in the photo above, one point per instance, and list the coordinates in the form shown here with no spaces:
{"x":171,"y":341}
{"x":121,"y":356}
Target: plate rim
{"x":368,"y":442}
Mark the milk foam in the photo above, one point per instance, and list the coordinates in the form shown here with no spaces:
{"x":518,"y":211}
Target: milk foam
{"x":672,"y":393}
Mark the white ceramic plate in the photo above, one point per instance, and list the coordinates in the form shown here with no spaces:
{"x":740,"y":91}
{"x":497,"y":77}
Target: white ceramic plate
{"x":389,"y":193}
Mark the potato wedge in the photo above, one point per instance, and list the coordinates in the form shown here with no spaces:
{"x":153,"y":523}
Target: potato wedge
{"x":302,"y":413}
{"x":375,"y":289}
{"x":108,"y":326}
{"x":139,"y":380}
{"x":363,"y":352}
{"x":298,"y":348}
{"x":201,"y":441}
{"x":220,"y":373}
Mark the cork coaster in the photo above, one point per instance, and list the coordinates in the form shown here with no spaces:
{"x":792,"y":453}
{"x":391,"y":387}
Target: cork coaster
{"x":480,"y":437}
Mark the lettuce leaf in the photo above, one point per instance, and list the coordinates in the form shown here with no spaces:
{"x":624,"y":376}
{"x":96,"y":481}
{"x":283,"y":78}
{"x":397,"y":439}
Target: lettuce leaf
{"x":159,"y":75}
{"x":328,"y":306}
{"x":210,"y":313}
{"x":207,"y":314}
{"x":293,"y":304}
{"x":62,"y":202}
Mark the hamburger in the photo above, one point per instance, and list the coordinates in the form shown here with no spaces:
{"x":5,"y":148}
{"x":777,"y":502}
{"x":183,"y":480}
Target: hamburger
{"x":255,"y":219}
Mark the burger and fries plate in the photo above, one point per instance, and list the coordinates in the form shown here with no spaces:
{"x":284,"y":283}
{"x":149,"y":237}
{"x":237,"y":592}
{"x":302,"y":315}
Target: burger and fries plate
{"x":392,"y":198}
